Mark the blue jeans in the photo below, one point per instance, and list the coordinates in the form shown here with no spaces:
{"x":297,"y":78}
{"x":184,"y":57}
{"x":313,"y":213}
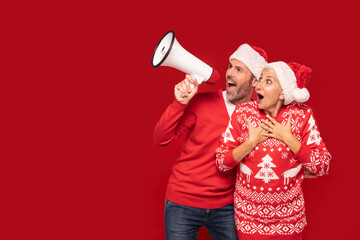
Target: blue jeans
{"x":183,"y":222}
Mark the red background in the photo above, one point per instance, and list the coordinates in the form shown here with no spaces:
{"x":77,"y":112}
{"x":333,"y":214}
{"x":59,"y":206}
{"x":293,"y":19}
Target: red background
{"x":79,"y":101}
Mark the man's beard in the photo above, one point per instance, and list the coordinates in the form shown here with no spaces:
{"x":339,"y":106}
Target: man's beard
{"x":241,"y":92}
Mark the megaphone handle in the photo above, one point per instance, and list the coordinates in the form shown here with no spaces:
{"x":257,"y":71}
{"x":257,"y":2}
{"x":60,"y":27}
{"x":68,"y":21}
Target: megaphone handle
{"x":191,"y":86}
{"x":199,"y":80}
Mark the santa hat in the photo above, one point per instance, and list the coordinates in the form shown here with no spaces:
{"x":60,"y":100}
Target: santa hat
{"x":302,"y":73}
{"x":292,"y":78}
{"x":254,"y":58}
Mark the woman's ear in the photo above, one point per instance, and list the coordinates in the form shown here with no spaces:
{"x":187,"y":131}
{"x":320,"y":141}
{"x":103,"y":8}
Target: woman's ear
{"x":254,"y":82}
{"x":282,"y":97}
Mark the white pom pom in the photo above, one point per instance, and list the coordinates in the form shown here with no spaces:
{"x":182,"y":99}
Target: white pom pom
{"x":301,"y":95}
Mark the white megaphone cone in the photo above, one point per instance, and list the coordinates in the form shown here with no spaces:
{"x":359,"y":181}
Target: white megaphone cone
{"x":170,"y":53}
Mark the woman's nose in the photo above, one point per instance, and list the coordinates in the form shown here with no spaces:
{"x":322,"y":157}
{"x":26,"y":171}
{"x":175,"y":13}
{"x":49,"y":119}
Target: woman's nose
{"x":258,"y":85}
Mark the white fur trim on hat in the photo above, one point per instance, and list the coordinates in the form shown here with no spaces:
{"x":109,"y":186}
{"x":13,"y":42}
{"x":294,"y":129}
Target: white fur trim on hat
{"x":288,"y":83}
{"x":251,"y":58}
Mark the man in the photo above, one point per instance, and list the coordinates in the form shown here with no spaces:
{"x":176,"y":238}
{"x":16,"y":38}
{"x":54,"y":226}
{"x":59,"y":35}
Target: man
{"x":197,"y":193}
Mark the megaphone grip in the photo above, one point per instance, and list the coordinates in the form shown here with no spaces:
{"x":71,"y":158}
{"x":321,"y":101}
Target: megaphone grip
{"x":198,"y":78}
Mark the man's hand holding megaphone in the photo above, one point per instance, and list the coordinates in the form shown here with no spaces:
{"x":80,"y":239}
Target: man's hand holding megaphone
{"x":183,"y":91}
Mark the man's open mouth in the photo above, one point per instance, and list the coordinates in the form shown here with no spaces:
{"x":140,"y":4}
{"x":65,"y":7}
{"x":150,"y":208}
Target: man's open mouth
{"x":230,"y":84}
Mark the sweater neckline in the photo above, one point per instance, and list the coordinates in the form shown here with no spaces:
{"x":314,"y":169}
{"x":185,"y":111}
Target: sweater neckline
{"x":278,"y":117}
{"x":229,"y":106}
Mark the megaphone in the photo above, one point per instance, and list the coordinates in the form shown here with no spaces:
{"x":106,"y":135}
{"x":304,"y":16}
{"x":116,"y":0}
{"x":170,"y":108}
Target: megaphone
{"x":169,"y":52}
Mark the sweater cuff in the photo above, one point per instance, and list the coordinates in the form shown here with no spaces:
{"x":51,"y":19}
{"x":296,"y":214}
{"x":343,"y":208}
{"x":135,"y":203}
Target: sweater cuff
{"x":229,"y":160}
{"x":177,"y":104}
{"x":304,"y":153}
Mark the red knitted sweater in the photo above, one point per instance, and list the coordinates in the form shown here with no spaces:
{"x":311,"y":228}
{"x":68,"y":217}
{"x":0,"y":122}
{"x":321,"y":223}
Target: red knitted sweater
{"x":269,"y":202}
{"x":195,"y":180}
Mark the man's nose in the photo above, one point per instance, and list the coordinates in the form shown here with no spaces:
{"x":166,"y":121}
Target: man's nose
{"x":231,"y":72}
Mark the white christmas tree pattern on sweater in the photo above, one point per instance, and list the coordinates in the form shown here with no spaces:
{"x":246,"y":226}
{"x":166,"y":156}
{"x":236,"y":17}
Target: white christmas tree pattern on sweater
{"x":314,"y":136}
{"x":227,"y":134}
{"x":266,"y":173}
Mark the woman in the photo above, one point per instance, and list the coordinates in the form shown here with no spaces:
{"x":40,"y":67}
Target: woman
{"x":270,"y":142}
